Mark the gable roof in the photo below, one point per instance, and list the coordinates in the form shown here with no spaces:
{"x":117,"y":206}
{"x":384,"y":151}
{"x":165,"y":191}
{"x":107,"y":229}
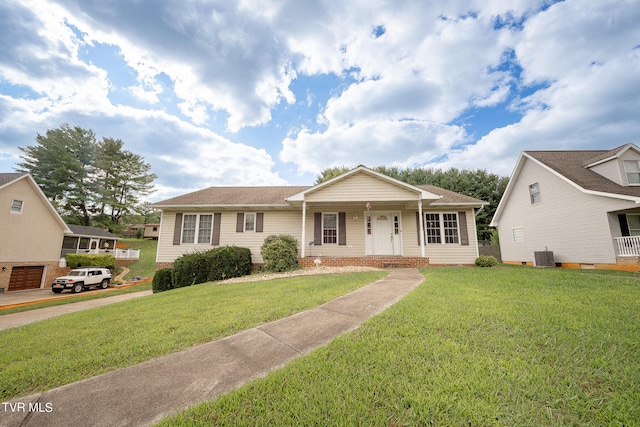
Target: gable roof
{"x":573,"y":167}
{"x":83,"y":230}
{"x":284,"y":196}
{"x":7,"y":179}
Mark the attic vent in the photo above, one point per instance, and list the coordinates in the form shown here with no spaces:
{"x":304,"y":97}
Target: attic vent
{"x":544,"y":259}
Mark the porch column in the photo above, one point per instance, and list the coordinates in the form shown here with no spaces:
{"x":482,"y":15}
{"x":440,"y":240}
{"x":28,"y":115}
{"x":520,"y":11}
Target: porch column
{"x":303,"y":243}
{"x":422,"y":254}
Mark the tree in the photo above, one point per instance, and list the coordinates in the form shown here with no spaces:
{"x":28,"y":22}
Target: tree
{"x":474,"y":183}
{"x":89,"y":183}
{"x":61,"y":163}
{"x":123,"y":179}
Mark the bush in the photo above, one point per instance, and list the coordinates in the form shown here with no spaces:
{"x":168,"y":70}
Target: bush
{"x":162,"y":280}
{"x":90,"y":260}
{"x":216,"y":264}
{"x":280,"y":253}
{"x":486,"y":261}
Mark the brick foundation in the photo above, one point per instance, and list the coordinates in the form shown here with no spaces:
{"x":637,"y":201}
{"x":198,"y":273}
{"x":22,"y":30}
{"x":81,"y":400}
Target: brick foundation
{"x":622,"y":263}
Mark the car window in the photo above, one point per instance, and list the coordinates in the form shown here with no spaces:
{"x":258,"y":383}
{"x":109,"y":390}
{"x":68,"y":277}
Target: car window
{"x":76,"y":273}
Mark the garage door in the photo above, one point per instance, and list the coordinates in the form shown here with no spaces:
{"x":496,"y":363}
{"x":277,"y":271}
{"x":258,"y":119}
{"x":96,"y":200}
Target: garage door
{"x":28,"y":277}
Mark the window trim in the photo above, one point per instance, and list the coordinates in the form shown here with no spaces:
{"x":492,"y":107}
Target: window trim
{"x":521,"y":233}
{"x":626,"y":172}
{"x":441,"y":236}
{"x":197,"y":230}
{"x":337,"y":229}
{"x":254,"y":215}
{"x":18,"y":211}
{"x":532,"y":195}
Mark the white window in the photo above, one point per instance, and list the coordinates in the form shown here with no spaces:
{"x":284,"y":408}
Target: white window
{"x":632,"y":170}
{"x":329,"y":228}
{"x":633,"y":222}
{"x":197,"y":228}
{"x":16,"y":206}
{"x":518,"y":234}
{"x":442,"y":227}
{"x":534,"y":193}
{"x":249,"y":222}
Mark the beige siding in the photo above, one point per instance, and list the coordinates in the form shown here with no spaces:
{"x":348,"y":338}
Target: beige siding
{"x":612,"y":170}
{"x":275,"y":222}
{"x":355,"y":233}
{"x":362,"y":187}
{"x":441,"y":253}
{"x":35,"y":235}
{"x":574,"y":225}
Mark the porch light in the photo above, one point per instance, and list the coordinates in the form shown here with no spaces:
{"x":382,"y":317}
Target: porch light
{"x":355,"y":216}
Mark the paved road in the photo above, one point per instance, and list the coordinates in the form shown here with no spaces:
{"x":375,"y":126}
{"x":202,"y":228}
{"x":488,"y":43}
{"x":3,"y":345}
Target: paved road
{"x":18,"y":319}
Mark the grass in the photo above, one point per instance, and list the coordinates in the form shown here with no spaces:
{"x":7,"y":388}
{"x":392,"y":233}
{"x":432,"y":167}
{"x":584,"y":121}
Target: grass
{"x":146,"y":265}
{"x":61,"y":350}
{"x":489,"y":347}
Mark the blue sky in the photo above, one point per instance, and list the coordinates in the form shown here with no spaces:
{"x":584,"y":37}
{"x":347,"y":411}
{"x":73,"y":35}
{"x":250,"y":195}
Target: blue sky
{"x":267,"y":92}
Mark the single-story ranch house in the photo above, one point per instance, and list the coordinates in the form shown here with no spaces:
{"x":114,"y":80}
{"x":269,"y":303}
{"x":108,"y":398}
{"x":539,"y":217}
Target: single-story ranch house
{"x":361,"y":217}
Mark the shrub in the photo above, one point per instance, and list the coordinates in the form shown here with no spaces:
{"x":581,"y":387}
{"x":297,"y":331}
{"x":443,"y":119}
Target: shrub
{"x":486,"y":261}
{"x":280,"y":253}
{"x":90,"y":260}
{"x":216,"y":264}
{"x":162,"y":280}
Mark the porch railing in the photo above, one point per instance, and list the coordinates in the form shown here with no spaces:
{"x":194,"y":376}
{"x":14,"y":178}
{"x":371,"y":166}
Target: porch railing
{"x":628,"y":246}
{"x":118,"y":253}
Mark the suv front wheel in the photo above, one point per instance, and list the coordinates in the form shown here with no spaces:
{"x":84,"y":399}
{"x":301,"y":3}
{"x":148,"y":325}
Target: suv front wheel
{"x":77,"y":288}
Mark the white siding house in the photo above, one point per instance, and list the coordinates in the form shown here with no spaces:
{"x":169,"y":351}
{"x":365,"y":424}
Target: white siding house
{"x":359,"y":218}
{"x":580,"y":205}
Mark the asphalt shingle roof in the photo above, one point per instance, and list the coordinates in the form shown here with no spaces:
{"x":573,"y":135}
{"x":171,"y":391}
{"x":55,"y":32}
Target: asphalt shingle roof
{"x":6,"y":178}
{"x":276,"y":195}
{"x":83,"y":230}
{"x":571,"y":164}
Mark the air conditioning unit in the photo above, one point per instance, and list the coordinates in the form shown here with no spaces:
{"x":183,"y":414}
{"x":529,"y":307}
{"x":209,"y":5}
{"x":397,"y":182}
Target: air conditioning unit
{"x":544,"y":259}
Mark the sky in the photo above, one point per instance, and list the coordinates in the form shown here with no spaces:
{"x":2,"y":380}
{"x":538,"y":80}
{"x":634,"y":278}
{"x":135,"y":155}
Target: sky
{"x":268,"y":92}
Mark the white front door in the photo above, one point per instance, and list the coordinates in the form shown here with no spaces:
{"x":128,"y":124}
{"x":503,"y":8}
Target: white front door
{"x":383,"y":233}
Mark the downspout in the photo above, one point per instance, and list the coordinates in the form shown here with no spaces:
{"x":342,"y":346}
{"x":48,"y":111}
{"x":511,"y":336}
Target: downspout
{"x":421,"y":229}
{"x":304,"y":222}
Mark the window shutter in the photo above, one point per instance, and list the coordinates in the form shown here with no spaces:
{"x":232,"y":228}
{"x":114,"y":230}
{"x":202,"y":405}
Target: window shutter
{"x":462,"y":224}
{"x":624,"y":225}
{"x":342,"y":228}
{"x":240,"y":223}
{"x":215,"y":241}
{"x":259,"y":222}
{"x":177,"y":229}
{"x":317,"y":228}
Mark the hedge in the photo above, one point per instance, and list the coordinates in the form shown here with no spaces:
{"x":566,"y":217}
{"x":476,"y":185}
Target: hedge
{"x":215,"y":264}
{"x":162,"y":280}
{"x":90,"y":260}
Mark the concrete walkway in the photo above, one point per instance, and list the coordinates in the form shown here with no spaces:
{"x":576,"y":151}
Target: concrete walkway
{"x":143,"y":394}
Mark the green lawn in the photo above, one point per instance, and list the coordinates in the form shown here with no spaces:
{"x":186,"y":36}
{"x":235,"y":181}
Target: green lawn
{"x":146,"y":265}
{"x":72,"y":347}
{"x":469,"y":347}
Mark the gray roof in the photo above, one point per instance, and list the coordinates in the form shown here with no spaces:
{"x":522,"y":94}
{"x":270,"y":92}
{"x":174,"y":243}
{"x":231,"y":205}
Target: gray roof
{"x":571,"y":165}
{"x":83,"y":230}
{"x":6,"y":178}
{"x":276,"y":195}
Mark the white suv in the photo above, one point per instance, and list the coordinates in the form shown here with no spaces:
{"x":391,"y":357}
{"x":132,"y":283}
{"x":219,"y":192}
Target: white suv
{"x":79,"y":279}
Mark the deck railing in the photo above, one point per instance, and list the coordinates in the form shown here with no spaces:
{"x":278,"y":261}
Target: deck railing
{"x":628,"y":246}
{"x":118,"y":253}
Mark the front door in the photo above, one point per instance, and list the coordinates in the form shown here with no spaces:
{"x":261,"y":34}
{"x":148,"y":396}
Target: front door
{"x":383,"y":233}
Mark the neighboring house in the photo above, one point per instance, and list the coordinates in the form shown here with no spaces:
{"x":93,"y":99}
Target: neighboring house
{"x":84,"y":239}
{"x":359,"y":218}
{"x":581,"y":205}
{"x":132,"y":231}
{"x":151,"y":231}
{"x":31,"y":235}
